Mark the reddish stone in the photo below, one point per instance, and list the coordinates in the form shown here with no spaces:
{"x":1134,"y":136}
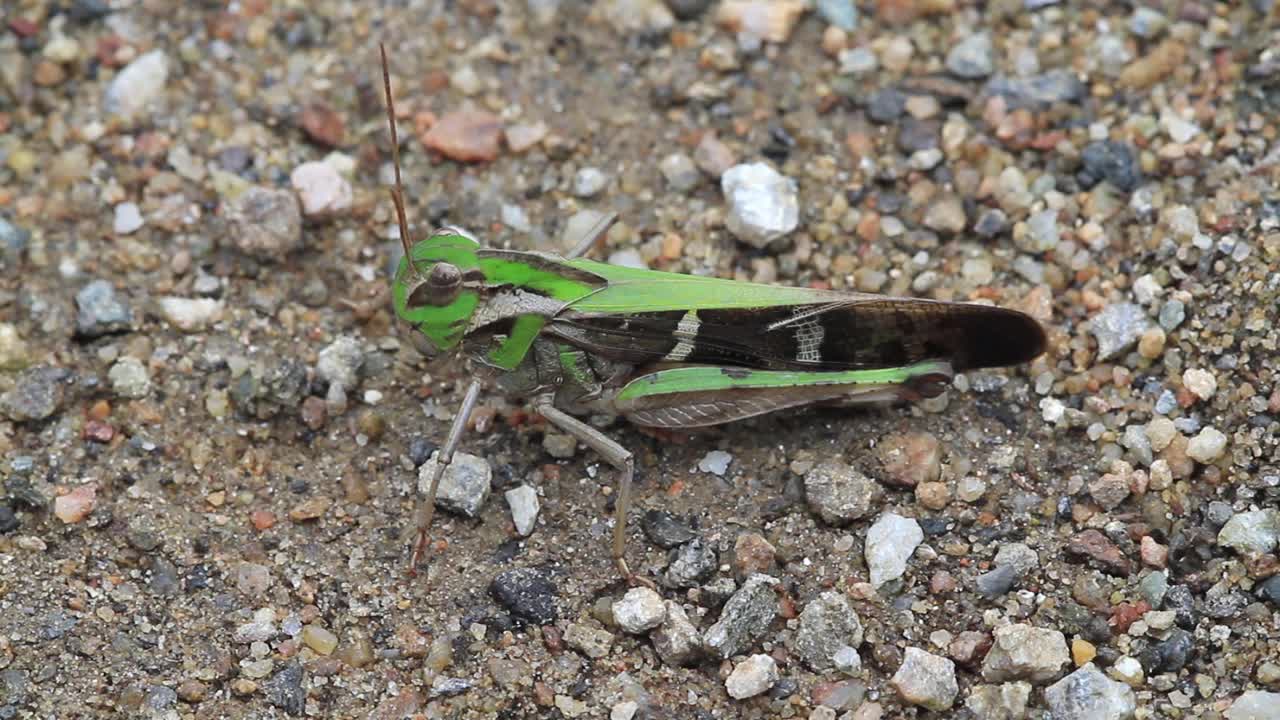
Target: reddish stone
{"x":323,"y":125}
{"x":23,"y":28}
{"x":1096,"y":546}
{"x":1126,"y":614}
{"x":98,"y":431}
{"x":466,"y":136}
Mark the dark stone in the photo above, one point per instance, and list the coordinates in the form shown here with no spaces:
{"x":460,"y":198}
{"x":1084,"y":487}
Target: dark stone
{"x":886,"y":105}
{"x":285,"y":691}
{"x":420,"y":450}
{"x":1268,"y":589}
{"x":8,"y":519}
{"x":99,"y":311}
{"x":783,"y":689}
{"x":37,"y":394}
{"x":915,"y":134}
{"x":86,"y":11}
{"x":666,"y":530}
{"x":1180,"y":600}
{"x":164,"y":578}
{"x":1112,"y":161}
{"x":526,"y":593}
{"x":689,"y":564}
{"x":13,"y":241}
{"x":991,"y":223}
{"x":1170,"y":654}
{"x":1037,"y":91}
{"x":688,"y":9}
{"x":997,"y":582}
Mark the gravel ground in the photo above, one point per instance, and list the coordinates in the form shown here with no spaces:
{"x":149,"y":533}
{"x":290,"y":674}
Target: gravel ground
{"x":212,"y":428}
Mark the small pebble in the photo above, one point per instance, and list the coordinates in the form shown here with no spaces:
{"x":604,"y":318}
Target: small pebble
{"x":76,"y":505}
{"x":1087,"y":694}
{"x":715,"y":462}
{"x":890,"y":542}
{"x":639,"y":611}
{"x":463,"y":488}
{"x":752,"y":677}
{"x":128,"y":219}
{"x":523,"y":501}
{"x":926,"y":680}
{"x":1207,"y":446}
{"x":466,"y":136}
{"x":589,"y":182}
{"x":763,"y":204}
{"x":321,"y":189}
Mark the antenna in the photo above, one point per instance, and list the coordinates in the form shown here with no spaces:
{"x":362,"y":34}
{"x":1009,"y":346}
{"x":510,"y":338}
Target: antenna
{"x":397,"y":192}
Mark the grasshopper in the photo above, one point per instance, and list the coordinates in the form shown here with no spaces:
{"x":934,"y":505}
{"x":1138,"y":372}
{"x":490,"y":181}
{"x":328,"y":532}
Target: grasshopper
{"x":666,"y":350}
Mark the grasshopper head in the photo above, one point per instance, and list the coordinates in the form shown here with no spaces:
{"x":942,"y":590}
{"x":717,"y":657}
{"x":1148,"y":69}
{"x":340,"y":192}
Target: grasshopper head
{"x":436,"y":289}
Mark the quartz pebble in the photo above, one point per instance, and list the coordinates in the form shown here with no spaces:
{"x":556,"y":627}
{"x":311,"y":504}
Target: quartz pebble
{"x":639,"y":611}
{"x":890,"y":543}
{"x":751,"y":677}
{"x":763,"y":205}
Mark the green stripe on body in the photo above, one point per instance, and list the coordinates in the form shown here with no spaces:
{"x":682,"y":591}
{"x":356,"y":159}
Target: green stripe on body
{"x":709,"y":379}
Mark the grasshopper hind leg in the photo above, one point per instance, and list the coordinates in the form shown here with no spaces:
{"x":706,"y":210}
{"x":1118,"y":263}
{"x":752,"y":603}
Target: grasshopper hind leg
{"x":617,"y":456}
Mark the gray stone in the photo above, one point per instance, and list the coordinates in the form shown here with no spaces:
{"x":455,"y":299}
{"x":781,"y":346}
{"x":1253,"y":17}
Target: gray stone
{"x":36,"y":395}
{"x":972,"y":58}
{"x":129,"y":378}
{"x":1255,"y":705}
{"x":677,"y":641}
{"x":680,"y":172}
{"x":1147,"y":23}
{"x":1118,"y":327}
{"x":463,"y":488}
{"x":137,"y":86}
{"x":1024,"y":652}
{"x":264,"y":222}
{"x":285,"y":690}
{"x":639,"y":611}
{"x":828,"y":625}
{"x":1087,"y":694}
{"x":745,"y":617}
{"x":560,"y":445}
{"x":592,"y":641}
{"x":838,"y":493}
{"x":1007,"y":701}
{"x":1256,"y":531}
{"x":926,"y":680}
{"x":689,"y":564}
{"x":99,"y":311}
{"x":889,"y":545}
{"x":524,"y":504}
{"x":1042,"y":232}
{"x":763,"y":204}
{"x":340,"y":362}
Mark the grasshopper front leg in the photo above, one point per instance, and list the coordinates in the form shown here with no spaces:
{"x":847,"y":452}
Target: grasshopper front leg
{"x":614,"y":454}
{"x":427,"y":506}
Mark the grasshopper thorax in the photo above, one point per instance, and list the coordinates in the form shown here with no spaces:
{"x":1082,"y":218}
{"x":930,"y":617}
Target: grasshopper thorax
{"x":437,"y":289}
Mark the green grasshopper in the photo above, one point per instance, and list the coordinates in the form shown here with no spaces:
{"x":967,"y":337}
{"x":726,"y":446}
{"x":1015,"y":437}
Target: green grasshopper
{"x":666,"y":350}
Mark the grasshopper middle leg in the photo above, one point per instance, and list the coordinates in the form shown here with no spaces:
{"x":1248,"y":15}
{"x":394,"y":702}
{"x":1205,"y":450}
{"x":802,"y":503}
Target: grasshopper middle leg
{"x":614,"y":454}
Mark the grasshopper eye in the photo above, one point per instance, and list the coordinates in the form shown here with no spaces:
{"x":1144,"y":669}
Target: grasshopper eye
{"x":440,"y":288}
